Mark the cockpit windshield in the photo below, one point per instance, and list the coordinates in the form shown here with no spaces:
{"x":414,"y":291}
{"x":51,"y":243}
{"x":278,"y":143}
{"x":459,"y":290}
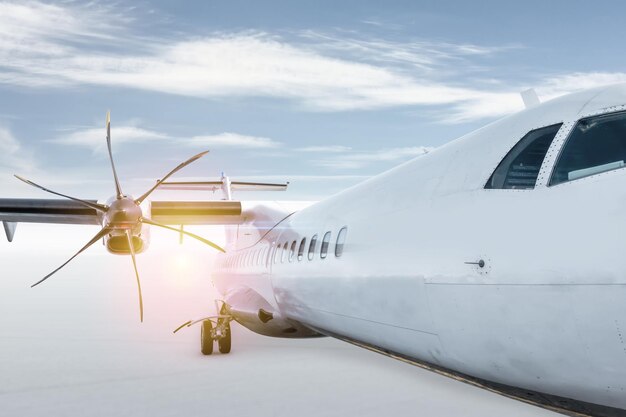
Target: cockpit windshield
{"x":597,"y":144}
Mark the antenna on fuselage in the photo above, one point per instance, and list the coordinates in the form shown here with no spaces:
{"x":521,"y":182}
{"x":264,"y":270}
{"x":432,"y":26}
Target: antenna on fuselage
{"x":530,"y":98}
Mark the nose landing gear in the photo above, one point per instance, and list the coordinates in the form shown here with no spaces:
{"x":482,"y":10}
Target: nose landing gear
{"x":206,"y":339}
{"x":223,"y":343}
{"x":213,"y":329}
{"x":219,"y":333}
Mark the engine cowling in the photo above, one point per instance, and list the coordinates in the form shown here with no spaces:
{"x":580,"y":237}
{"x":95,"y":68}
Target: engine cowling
{"x":117,"y":243}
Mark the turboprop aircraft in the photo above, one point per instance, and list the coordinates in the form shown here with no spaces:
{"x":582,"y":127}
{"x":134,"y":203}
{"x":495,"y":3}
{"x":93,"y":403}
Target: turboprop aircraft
{"x":496,"y":259}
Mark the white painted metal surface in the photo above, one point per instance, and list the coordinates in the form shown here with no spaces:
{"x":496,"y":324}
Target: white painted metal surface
{"x":520,"y":287}
{"x":546,"y":312}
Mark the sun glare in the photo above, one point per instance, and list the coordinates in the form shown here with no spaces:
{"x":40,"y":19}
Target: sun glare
{"x":182,"y":262}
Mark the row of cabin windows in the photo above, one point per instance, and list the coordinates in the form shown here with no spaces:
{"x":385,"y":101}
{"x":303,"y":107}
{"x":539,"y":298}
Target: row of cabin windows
{"x":596,"y":144}
{"x":290,"y":251}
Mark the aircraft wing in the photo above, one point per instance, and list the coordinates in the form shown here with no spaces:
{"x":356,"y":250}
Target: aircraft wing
{"x":35,"y":210}
{"x":218,"y":185}
{"x":196,"y":212}
{"x":30,"y":210}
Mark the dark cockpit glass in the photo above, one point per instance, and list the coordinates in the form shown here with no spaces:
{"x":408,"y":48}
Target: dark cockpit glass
{"x":596,"y":144}
{"x":520,"y":167}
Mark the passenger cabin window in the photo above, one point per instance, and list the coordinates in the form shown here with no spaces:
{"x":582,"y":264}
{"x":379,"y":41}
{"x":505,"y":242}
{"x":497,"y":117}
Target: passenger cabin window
{"x":596,"y":144}
{"x":292,"y":251}
{"x":520,"y":167}
{"x":325,"y":244}
{"x":284,"y":253}
{"x":277,"y":253}
{"x":312,"y":246}
{"x":341,"y":239}
{"x":301,"y":248}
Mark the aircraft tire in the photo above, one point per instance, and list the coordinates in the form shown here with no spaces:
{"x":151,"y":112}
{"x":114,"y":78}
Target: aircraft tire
{"x":225,"y":342}
{"x":206,"y":341}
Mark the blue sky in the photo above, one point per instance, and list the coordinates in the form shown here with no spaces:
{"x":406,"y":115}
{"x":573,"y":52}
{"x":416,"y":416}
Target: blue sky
{"x":322,"y":94}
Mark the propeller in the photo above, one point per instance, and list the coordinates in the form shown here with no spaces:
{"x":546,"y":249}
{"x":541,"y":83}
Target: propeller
{"x":99,"y":207}
{"x":201,"y":239}
{"x":118,"y":189}
{"x":102,"y":233}
{"x":123,"y":216}
{"x":131,"y":246}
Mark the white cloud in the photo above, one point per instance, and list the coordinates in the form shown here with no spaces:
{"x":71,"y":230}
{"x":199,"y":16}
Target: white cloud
{"x":359,"y":159}
{"x":44,"y":45}
{"x":492,"y":104}
{"x":563,"y":84}
{"x":36,"y":53}
{"x":13,"y":157}
{"x":95,"y":137}
{"x":34,"y":28}
{"x":231,"y":140}
{"x":325,"y":149}
{"x":424,"y":56}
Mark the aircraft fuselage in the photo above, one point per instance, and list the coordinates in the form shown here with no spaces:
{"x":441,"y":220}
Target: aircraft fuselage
{"x":522,"y":287}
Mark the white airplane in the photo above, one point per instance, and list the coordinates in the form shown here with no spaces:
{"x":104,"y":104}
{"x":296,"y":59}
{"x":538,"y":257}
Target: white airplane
{"x":497,"y":259}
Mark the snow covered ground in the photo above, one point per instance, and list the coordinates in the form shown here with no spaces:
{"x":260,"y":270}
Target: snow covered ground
{"x":74,"y":346}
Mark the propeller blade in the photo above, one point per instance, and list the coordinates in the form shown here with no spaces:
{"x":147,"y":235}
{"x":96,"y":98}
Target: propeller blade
{"x":96,"y":238}
{"x":132,"y":254}
{"x":99,"y":207}
{"x":118,"y":189}
{"x":201,"y":239}
{"x":172,"y":172}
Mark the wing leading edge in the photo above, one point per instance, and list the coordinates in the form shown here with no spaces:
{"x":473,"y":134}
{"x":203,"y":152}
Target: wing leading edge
{"x":29,"y":210}
{"x":20,"y":210}
{"x":197,"y":212}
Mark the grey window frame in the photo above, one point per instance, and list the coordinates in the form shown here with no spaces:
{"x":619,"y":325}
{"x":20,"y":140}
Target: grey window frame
{"x":551,"y":182}
{"x":301,"y":249}
{"x":292,"y":250}
{"x":325,"y":245}
{"x":343,"y":232}
{"x":276,"y":254}
{"x":503,"y":169}
{"x":312,"y":247}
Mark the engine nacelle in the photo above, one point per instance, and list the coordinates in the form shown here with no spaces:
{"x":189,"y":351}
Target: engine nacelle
{"x":117,"y":243}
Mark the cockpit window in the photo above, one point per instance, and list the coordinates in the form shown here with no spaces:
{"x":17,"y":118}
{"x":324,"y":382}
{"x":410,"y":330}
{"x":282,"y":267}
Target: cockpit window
{"x":596,"y":144}
{"x":520,"y":167}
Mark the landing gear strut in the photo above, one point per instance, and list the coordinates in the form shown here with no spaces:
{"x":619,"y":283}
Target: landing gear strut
{"x":223,"y":342}
{"x":214,"y":328}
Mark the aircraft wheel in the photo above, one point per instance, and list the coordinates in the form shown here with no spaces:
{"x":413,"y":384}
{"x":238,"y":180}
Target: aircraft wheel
{"x":206,"y":341}
{"x":224,"y":342}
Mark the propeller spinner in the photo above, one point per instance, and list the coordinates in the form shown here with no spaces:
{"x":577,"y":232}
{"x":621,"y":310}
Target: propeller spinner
{"x":122,"y":217}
